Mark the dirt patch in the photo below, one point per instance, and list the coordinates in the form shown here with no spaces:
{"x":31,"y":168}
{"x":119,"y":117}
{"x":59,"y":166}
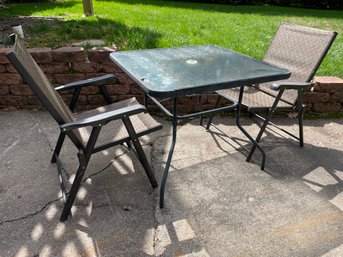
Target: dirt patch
{"x":6,"y":24}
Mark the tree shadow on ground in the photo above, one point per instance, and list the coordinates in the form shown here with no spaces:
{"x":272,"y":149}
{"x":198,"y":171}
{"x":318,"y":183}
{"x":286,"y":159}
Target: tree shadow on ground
{"x":57,"y":33}
{"x":35,"y":7}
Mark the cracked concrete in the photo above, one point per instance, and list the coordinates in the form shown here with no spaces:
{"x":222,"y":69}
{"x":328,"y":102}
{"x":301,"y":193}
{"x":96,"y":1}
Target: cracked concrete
{"x":216,"y":204}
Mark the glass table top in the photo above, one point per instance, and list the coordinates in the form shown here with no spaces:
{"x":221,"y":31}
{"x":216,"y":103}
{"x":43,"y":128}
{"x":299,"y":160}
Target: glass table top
{"x":194,"y":69}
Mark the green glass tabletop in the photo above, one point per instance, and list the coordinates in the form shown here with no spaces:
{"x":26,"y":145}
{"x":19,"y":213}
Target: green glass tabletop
{"x":194,"y":69}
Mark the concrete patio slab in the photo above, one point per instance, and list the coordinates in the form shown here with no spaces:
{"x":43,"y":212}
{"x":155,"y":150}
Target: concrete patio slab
{"x":216,"y":203}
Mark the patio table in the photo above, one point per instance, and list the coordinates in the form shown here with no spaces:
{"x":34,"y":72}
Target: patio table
{"x":193,"y":70}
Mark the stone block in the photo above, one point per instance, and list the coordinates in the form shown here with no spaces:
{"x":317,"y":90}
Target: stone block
{"x":62,"y":67}
{"x":85,"y":67}
{"x":316,"y":97}
{"x":96,"y":100}
{"x":51,"y":78}
{"x":10,"y":68}
{"x":15,"y":100}
{"x":308,"y":106}
{"x":100,"y":54}
{"x":185,"y":108}
{"x":124,"y":79}
{"x":91,"y":90}
{"x":328,"y":84}
{"x":111,"y":68}
{"x":336,"y":97}
{"x":67,"y":78}
{"x":212,"y":99}
{"x":4,"y":90}
{"x":136,"y":90}
{"x":41,"y":55}
{"x":69,"y":54}
{"x":10,"y":79}
{"x":118,"y":89}
{"x":2,"y":68}
{"x":33,"y":100}
{"x":48,"y":68}
{"x":140,"y":98}
{"x":189,"y":100}
{"x":326,"y":107}
{"x":3,"y":58}
{"x":2,"y":100}
{"x":21,"y":90}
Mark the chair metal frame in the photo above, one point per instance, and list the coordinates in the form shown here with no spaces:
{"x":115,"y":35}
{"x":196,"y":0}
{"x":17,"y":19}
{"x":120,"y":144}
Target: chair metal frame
{"x":85,"y":151}
{"x":280,"y":88}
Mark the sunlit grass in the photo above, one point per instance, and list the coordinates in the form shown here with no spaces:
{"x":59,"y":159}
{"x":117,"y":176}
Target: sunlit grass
{"x":134,"y":24}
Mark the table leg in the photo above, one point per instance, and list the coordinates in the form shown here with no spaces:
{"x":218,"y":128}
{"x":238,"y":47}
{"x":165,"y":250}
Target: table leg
{"x":255,"y":144}
{"x":170,"y":154}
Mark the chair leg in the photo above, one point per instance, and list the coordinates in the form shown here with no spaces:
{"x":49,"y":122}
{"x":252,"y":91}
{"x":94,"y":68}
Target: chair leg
{"x":139,"y":150}
{"x":211,"y":115}
{"x":73,"y":192}
{"x":301,"y":131}
{"x":265,"y":123}
{"x":58,"y":147}
{"x":200,"y":104}
{"x":300,"y":108}
{"x":84,"y":157}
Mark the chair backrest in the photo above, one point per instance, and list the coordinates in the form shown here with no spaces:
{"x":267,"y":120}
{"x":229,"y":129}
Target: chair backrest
{"x":31,"y":73}
{"x":299,"y":49}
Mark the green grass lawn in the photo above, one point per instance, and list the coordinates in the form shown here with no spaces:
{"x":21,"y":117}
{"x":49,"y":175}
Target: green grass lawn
{"x":134,"y":24}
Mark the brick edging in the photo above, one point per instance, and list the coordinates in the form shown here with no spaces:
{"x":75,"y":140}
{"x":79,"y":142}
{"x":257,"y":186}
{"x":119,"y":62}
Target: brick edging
{"x":68,"y":64}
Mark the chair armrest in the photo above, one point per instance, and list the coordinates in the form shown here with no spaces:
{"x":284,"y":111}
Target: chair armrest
{"x":291,"y":85}
{"x":98,"y":81}
{"x":102,"y":118}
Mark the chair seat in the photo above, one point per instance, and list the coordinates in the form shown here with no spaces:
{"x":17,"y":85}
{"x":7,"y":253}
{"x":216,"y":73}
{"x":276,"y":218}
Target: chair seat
{"x":253,"y":98}
{"x":115,"y":130}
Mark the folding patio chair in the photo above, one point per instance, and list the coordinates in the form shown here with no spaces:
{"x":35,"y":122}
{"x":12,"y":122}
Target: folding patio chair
{"x":126,"y":120}
{"x":299,"y":49}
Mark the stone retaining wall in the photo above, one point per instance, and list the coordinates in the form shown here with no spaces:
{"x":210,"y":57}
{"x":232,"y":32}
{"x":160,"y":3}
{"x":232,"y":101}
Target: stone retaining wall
{"x":68,"y":64}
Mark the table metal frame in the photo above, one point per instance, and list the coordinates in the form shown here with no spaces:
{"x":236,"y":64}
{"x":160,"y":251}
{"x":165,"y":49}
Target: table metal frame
{"x":174,"y":94}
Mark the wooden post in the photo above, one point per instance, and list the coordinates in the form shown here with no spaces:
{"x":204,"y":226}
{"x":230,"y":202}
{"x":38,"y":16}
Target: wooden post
{"x":88,"y":7}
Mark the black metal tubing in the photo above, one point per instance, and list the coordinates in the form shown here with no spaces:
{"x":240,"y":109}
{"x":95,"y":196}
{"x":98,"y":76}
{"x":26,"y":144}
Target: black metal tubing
{"x":211,"y":116}
{"x":124,"y":140}
{"x":84,"y":157}
{"x":73,"y":102}
{"x":100,"y":81}
{"x":158,"y":103}
{"x":139,"y":150}
{"x":276,"y":126}
{"x":103,"y":118}
{"x":60,"y":177}
{"x":58,"y":147}
{"x":170,"y":154}
{"x":97,"y":81}
{"x":300,"y":108}
{"x":238,"y":123}
{"x":265,"y":123}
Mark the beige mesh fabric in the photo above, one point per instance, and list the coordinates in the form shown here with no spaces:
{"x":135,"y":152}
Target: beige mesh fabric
{"x":115,"y":130}
{"x":296,"y":48}
{"x":42,"y":86}
{"x":253,"y":98}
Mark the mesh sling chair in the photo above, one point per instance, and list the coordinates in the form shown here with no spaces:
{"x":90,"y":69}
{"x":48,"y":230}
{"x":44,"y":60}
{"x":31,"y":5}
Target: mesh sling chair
{"x":126,"y":120}
{"x":299,"y":49}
